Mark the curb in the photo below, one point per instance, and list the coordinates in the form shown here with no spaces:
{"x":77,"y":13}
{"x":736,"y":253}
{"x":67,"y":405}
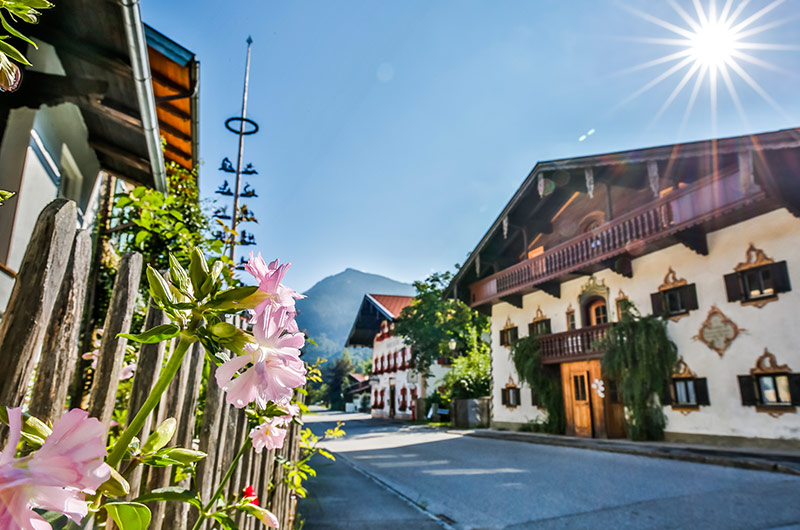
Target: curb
{"x":713,"y":456}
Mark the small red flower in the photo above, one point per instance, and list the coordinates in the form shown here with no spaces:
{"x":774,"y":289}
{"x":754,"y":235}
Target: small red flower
{"x":250,"y":493}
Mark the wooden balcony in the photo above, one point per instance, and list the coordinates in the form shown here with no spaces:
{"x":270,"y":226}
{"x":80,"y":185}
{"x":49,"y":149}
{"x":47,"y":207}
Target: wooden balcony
{"x":575,"y":345}
{"x":632,"y":232}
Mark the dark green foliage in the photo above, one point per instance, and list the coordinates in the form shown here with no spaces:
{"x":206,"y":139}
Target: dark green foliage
{"x":545,"y":383}
{"x":641,"y":357}
{"x":471,"y":376}
{"x":431,"y":322}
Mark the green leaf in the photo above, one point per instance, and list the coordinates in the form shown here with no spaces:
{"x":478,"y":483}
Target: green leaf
{"x":160,"y":437}
{"x":154,"y":335}
{"x":116,"y":485}
{"x":225,"y":521}
{"x":238,"y":298}
{"x":129,"y":515}
{"x":172,"y":494}
{"x":13,"y":53}
{"x":159,"y":288}
{"x":184,"y":456}
{"x":178,"y":274}
{"x":16,"y":33}
{"x":198,"y":270}
{"x":141,"y":235}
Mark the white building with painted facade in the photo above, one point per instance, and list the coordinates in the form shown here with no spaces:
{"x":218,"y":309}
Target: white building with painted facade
{"x":395,"y":384}
{"x":704,"y":234}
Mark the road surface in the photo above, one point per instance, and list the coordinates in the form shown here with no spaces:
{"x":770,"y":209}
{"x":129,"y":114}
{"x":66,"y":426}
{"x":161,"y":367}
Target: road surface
{"x":391,"y":475}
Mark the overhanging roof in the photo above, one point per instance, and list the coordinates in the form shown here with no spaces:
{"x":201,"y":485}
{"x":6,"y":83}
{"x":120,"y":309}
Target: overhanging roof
{"x":671,"y":154}
{"x":375,"y":308}
{"x":90,"y":39}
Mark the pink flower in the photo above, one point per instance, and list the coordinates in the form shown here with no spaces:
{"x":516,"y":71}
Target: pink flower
{"x":127,"y":371}
{"x":56,"y":476}
{"x":274,"y":328}
{"x":269,"y":280}
{"x":93,"y":355}
{"x":269,"y":435}
{"x":270,"y":376}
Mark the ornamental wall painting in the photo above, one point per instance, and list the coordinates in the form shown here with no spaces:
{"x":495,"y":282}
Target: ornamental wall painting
{"x":718,"y":331}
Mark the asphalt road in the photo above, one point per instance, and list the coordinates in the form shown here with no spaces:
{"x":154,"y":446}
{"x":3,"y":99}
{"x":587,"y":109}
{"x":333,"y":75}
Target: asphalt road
{"x":390,"y":475}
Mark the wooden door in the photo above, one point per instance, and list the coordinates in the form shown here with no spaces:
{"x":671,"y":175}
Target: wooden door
{"x":392,"y":398}
{"x":583,"y":406}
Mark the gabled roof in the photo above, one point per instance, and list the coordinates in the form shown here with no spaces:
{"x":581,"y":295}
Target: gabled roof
{"x":375,"y":308}
{"x":526,"y":200}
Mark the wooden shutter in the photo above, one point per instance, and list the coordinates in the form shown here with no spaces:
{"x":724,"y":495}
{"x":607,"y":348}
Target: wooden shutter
{"x":504,"y":396}
{"x":513,"y":335}
{"x":532,"y":329}
{"x":689,"y":294}
{"x":733,"y":286}
{"x":657,"y":300}
{"x":794,"y":388}
{"x":535,"y":399}
{"x":701,"y":391}
{"x":547,"y":328}
{"x":503,"y":341}
{"x":668,"y":389}
{"x":780,"y":277}
{"x":747,"y":389}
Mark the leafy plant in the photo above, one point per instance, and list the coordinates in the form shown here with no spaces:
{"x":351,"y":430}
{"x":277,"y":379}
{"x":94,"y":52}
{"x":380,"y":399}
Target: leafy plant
{"x":15,"y":11}
{"x":641,"y":357}
{"x":431,"y":321}
{"x":526,"y":355}
{"x":471,"y":376}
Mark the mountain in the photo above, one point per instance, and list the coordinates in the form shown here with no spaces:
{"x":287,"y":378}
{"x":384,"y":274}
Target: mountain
{"x":328,"y":312}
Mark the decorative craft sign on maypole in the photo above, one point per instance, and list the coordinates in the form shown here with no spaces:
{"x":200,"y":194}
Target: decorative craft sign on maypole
{"x":241,"y":126}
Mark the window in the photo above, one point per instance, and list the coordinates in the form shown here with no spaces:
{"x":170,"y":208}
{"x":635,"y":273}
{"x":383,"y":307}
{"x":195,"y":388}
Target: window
{"x":539,"y":327}
{"x":580,"y":387}
{"x":509,"y":396}
{"x":599,"y":314}
{"x":758,"y":283}
{"x":675,"y":301}
{"x":508,"y":336}
{"x":571,"y":320}
{"x":689,"y":392}
{"x":770,"y":390}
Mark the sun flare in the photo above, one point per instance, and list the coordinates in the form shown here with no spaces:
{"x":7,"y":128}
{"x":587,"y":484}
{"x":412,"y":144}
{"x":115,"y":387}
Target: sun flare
{"x":713,"y":47}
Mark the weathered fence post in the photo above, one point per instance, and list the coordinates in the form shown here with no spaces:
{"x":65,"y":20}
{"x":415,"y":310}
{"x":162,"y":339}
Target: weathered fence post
{"x":35,"y":291}
{"x":112,"y":349}
{"x":177,"y":513}
{"x":60,"y":347}
{"x":148,"y":368}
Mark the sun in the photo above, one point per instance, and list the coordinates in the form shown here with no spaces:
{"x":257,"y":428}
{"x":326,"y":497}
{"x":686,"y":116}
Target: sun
{"x":713,"y":48}
{"x":714,"y":44}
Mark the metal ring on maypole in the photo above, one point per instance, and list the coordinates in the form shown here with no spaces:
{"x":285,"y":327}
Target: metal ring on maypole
{"x":238,"y":119}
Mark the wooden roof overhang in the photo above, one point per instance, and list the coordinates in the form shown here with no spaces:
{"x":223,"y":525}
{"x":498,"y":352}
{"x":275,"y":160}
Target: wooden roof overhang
{"x":527,"y":215}
{"x":90,"y":39}
{"x":368,"y":322}
{"x":176,"y":80}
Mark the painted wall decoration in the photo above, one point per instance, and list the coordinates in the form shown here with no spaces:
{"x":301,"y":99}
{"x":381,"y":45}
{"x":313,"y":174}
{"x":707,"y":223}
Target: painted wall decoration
{"x":718,"y":331}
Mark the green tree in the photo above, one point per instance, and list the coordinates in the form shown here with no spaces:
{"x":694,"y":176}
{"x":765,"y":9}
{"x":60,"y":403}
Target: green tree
{"x":545,"y":383}
{"x":471,"y":376}
{"x":431,"y":322}
{"x":641,"y":357}
{"x":337,"y":380}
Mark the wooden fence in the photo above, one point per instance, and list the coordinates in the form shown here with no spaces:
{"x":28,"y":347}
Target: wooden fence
{"x":39,"y":337}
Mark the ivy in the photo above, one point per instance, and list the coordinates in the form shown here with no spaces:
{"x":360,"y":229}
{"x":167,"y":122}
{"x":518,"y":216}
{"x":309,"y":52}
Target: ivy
{"x":641,"y":357}
{"x":545,"y":383}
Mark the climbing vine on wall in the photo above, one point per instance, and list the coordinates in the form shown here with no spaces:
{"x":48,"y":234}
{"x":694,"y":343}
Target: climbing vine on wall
{"x":640,"y":357}
{"x":544,"y":382}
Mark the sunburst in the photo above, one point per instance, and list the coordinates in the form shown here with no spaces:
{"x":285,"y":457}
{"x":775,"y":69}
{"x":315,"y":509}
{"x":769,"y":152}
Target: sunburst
{"x":714,"y":47}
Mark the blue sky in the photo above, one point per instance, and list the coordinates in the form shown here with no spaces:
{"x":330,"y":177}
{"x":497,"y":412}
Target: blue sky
{"x":393,"y":132}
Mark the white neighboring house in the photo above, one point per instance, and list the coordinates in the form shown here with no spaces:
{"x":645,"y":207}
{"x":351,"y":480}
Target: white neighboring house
{"x":704,"y":234}
{"x":395,"y":384}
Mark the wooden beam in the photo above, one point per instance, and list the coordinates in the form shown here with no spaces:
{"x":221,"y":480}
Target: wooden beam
{"x":115,"y":112}
{"x":513,"y":299}
{"x":48,"y":89}
{"x":694,"y":238}
{"x":177,"y":151}
{"x":120,"y":153}
{"x":552,"y":288}
{"x":622,"y":265}
{"x":97,"y":55}
{"x":169,"y":129}
{"x":175,"y":111}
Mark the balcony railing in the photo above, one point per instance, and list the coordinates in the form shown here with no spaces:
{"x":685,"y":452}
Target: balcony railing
{"x":572,"y":345}
{"x":680,"y":209}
